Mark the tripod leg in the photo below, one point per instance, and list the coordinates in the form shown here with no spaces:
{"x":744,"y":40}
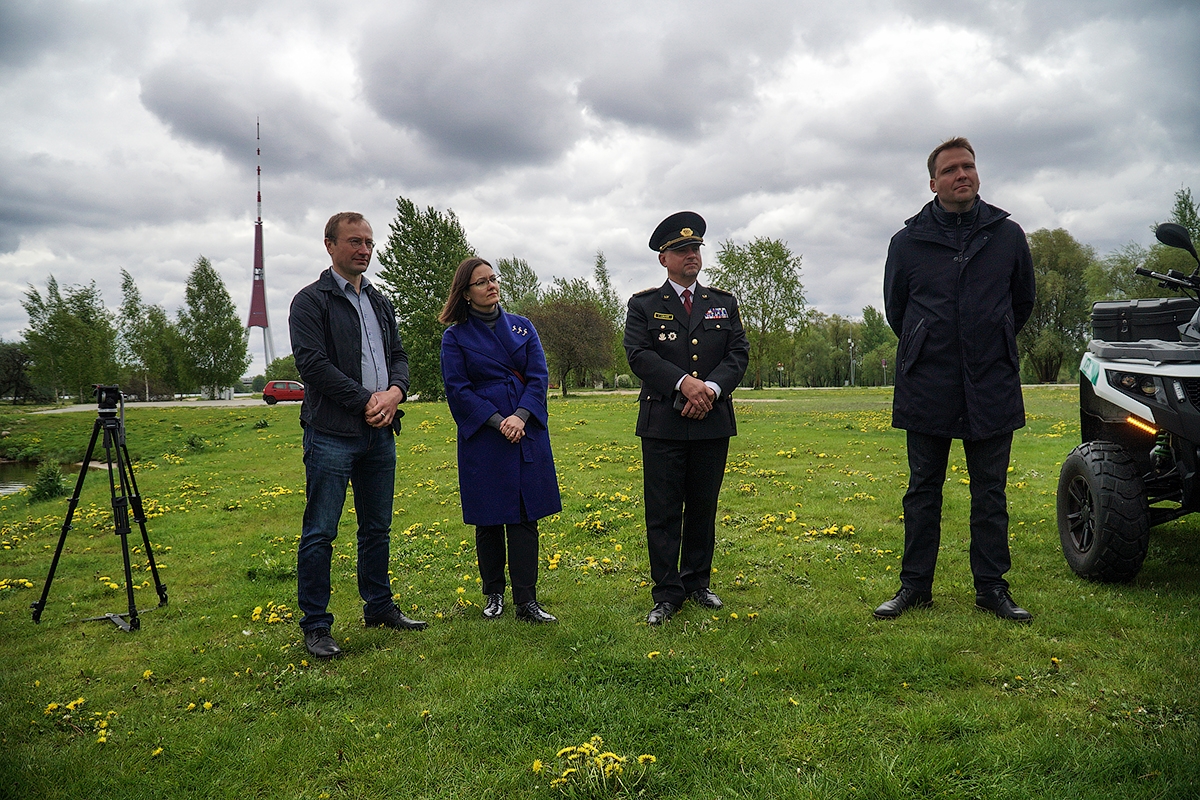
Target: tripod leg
{"x":139,"y":516}
{"x":62,"y":539}
{"x":120,"y":507}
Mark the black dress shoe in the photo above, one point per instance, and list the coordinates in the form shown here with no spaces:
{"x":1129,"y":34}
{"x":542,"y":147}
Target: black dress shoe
{"x":394,"y":618}
{"x":494,"y":606}
{"x":706,"y":597}
{"x":661,"y":613}
{"x":904,"y":600}
{"x":1000,"y":602}
{"x":532,"y":612}
{"x":319,"y":642}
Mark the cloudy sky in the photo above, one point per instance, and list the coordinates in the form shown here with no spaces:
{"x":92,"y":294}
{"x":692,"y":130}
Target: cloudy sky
{"x":556,"y":129}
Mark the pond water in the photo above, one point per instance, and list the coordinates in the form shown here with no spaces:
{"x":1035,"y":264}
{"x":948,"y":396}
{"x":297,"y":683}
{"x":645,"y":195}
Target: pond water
{"x":16,"y":475}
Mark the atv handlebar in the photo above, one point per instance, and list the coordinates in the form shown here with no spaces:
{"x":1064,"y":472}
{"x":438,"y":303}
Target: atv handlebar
{"x":1172,"y":280}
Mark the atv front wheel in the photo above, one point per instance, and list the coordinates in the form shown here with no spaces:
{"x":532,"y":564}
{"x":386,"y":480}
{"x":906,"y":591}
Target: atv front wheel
{"x":1103,"y":520}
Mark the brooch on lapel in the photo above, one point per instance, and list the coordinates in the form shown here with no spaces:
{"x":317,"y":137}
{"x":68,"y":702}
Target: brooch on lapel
{"x":519,"y":330}
{"x":718,"y":312}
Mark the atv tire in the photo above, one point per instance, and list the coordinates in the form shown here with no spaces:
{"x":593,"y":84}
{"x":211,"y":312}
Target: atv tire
{"x":1103,"y":520}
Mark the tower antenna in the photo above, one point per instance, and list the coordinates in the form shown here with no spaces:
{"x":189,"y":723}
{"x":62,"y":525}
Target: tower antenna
{"x":258,"y":292}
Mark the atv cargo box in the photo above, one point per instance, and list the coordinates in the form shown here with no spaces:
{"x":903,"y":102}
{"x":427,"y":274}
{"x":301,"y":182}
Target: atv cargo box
{"x":1148,"y":318}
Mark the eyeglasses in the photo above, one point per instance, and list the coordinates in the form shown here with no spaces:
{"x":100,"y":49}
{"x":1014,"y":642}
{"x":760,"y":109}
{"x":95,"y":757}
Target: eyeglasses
{"x":357,"y":243}
{"x":482,"y":282}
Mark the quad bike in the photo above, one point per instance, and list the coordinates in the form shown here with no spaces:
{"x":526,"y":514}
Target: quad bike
{"x":1139,"y":415}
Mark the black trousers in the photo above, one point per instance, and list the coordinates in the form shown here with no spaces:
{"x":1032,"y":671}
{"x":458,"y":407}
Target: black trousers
{"x":522,"y":558}
{"x":681,"y":480}
{"x":987,"y":465}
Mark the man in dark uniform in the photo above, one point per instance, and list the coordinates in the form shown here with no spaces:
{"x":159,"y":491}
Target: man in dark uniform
{"x":958,"y":286}
{"x":685,"y":342}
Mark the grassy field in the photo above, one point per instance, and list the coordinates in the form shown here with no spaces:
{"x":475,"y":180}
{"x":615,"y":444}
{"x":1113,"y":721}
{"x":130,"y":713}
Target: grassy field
{"x":794,"y":690}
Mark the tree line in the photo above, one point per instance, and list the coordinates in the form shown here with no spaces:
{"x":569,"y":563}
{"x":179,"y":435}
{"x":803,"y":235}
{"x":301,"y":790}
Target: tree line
{"x":73,"y":341}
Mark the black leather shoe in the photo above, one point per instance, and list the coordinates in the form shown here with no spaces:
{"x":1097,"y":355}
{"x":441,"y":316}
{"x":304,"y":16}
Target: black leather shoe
{"x":395,"y":620}
{"x":319,"y":642}
{"x":1000,"y":602}
{"x":661,"y":613}
{"x":706,"y":597}
{"x":494,"y":606}
{"x":532,"y":612}
{"x":903,"y":601}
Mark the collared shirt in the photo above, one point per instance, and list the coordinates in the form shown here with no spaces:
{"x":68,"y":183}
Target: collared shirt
{"x":679,"y":290}
{"x":374,"y":362}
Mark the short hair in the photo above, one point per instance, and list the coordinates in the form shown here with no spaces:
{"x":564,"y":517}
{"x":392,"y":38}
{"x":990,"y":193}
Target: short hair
{"x":335,"y":222}
{"x":455,"y":310}
{"x":958,"y":142}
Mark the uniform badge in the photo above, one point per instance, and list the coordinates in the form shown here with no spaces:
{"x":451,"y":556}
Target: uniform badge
{"x":671,"y":336}
{"x":519,"y":330}
{"x":717,"y":313}
{"x":660,"y":315}
{"x":662,"y":337}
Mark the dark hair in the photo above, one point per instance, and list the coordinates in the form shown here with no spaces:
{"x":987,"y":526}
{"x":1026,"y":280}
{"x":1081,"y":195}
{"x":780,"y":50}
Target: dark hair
{"x":958,"y":142}
{"x":455,"y":310}
{"x":335,"y":222}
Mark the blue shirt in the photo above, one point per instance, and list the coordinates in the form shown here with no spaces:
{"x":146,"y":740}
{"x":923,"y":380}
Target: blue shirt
{"x":374,"y":363}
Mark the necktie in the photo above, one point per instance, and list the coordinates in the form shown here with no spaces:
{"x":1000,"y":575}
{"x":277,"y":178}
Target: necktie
{"x":686,"y":295}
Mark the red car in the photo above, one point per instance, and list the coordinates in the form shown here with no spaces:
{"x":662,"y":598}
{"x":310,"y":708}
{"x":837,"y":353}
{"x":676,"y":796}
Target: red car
{"x":275,"y":391}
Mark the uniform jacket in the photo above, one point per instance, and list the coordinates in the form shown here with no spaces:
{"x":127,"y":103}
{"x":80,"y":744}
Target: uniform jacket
{"x":663,"y":344}
{"x":957,"y":300}
{"x":480,"y":370}
{"x":327,"y":344}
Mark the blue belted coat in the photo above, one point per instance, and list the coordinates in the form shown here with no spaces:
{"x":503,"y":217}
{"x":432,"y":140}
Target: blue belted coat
{"x":487,"y":372}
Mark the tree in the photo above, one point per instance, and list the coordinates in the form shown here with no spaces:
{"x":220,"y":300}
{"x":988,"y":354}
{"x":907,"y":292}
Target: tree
{"x":216,"y":342}
{"x":1058,"y":326}
{"x":71,"y":338}
{"x":878,"y":348}
{"x":575,"y":335}
{"x":282,"y":369}
{"x":14,"y":371}
{"x":417,"y":267}
{"x":142,"y":340}
{"x":765,"y":276}
{"x":519,"y":287}
{"x":1187,"y":213}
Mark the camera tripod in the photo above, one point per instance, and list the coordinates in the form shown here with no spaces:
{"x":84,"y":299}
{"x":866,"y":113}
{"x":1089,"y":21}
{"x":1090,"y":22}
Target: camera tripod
{"x":112,"y":424}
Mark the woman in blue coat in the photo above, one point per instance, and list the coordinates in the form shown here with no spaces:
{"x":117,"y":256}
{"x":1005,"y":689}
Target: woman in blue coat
{"x":496,"y":379}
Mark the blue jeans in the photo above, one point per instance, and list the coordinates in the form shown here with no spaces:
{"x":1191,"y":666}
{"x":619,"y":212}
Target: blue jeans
{"x":368,"y":462}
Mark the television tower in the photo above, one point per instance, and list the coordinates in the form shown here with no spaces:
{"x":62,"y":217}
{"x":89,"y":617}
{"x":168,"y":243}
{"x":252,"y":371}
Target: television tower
{"x":258,"y":294}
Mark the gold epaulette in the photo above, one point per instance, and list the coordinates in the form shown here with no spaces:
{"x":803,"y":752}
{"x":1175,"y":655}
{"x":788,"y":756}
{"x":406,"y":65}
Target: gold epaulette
{"x":647,"y":291}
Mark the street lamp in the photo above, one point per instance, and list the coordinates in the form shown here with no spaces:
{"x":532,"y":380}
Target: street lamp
{"x":851,"y":343}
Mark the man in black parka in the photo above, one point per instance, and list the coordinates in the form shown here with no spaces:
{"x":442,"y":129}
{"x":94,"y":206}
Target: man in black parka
{"x":958,"y":286}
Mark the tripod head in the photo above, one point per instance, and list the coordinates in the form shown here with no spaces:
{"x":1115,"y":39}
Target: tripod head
{"x":108,"y":398}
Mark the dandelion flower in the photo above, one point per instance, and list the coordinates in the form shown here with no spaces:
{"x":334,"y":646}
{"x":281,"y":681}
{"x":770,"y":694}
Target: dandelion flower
{"x":51,"y":708}
{"x":793,"y":701}
{"x":564,"y":751}
{"x":425,"y":715}
{"x":147,"y":675}
{"x":538,"y":766}
{"x":646,"y":758}
{"x":191,"y":707}
{"x":568,"y":771}
{"x":157,"y":752}
{"x":208,"y":705}
{"x":733,"y":615}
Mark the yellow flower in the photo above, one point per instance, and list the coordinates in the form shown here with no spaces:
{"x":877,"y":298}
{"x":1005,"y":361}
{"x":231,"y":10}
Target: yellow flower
{"x":646,"y":758}
{"x":793,"y":701}
{"x":51,"y":708}
{"x":425,"y":715}
{"x":617,"y":548}
{"x":157,"y":752}
{"x":191,"y":707}
{"x":538,"y":766}
{"x":653,"y":654}
{"x":146,"y":675}
{"x":564,"y":751}
{"x":568,"y":771}
{"x":733,"y":615}
{"x":208,"y":705}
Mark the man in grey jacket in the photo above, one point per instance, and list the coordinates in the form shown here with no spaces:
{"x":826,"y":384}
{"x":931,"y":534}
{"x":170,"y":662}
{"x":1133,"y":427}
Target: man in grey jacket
{"x":958,"y":286}
{"x":355,"y":371}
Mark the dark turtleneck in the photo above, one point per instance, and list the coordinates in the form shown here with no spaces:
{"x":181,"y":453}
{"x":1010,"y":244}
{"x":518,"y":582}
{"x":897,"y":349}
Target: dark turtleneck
{"x":487,"y":318}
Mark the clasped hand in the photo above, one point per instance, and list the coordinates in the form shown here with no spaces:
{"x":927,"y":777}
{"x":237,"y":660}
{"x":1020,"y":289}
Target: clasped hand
{"x":700,"y":398}
{"x":513,"y":428}
{"x":381,"y":408}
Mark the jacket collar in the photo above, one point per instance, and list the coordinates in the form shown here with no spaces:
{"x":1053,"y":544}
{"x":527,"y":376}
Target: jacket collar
{"x":926,"y":227}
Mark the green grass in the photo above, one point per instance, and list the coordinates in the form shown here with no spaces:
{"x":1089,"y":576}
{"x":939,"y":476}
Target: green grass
{"x":803,"y":694}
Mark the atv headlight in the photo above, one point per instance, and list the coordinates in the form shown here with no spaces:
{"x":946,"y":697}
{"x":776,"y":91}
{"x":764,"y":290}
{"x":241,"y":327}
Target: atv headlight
{"x":1143,"y":386}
